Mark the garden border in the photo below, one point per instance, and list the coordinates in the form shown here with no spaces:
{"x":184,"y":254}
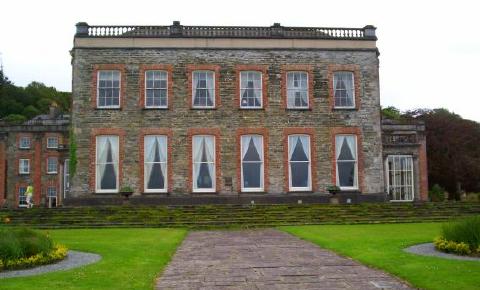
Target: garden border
{"x":428,"y":249}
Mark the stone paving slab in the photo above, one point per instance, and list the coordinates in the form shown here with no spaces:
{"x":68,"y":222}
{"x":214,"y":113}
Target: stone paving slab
{"x":265,"y":259}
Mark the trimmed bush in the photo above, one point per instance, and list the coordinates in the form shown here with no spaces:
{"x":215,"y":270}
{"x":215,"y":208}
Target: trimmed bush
{"x":446,"y":246}
{"x":58,"y":253}
{"x":461,"y":237}
{"x":436,"y":193}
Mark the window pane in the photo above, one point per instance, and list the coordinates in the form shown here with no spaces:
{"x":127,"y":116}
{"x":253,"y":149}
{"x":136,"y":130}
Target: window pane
{"x":400,"y":177}
{"x":252,"y":161}
{"x":299,"y":174}
{"x":155,"y":161}
{"x":343,"y":84}
{"x":203,"y":162}
{"x":299,"y":161}
{"x":251,"y":89}
{"x":107,"y":162}
{"x":203,"y":89}
{"x":346,"y":173}
{"x":346,"y":156}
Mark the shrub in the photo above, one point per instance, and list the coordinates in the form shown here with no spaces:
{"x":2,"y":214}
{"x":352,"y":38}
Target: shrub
{"x":443,"y":245}
{"x":461,"y":237}
{"x":437,"y":193}
{"x":473,"y":196}
{"x":58,"y":253}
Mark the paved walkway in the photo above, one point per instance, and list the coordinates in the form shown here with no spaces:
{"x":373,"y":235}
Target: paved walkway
{"x":265,"y":259}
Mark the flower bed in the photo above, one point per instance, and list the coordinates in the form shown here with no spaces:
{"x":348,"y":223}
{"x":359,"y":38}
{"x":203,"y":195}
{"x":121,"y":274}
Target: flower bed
{"x":461,"y":237}
{"x":25,"y":248}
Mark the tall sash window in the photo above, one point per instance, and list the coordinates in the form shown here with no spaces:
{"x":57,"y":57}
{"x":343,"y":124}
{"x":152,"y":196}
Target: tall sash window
{"x":297,"y":90}
{"x":203,"y":89}
{"x":299,"y":163}
{"x":252,"y":162}
{"x":156,"y":93}
{"x":346,"y":156}
{"x":344,"y":90}
{"x":107,"y":164}
{"x":155,"y":167}
{"x":251,"y":89}
{"x":203,"y":154}
{"x":108,"y":89}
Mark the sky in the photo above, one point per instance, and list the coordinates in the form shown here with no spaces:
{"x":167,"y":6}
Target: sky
{"x":429,"y":50}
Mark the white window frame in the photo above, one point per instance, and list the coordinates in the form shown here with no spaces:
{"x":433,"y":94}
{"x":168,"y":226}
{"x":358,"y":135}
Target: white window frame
{"x":262,"y":167}
{"x":193,"y":89}
{"x":66,"y":177}
{"x":355,"y":186}
{"x":49,"y":160}
{"x":21,"y":166}
{"x":49,"y":197}
{"x":387,"y":170}
{"x":147,"y":88}
{"x":165,"y":175}
{"x":49,"y":145}
{"x":353,"y":91}
{"x":24,"y":196}
{"x":29,"y":142}
{"x":290,"y":187}
{"x":241,"y":88}
{"x":119,"y":89}
{"x":214,"y":177}
{"x":98,"y":190}
{"x":292,"y":89}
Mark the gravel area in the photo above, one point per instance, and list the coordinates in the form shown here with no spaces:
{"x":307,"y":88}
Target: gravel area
{"x":428,"y":249}
{"x":74,"y":259}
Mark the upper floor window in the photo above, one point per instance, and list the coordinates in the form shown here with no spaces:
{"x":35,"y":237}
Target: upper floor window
{"x":251,"y":90}
{"x":252,"y":162}
{"x":155,"y":167}
{"x":203,"y":156}
{"x":52,"y":142}
{"x":344,"y":89}
{"x":108,"y":89}
{"x":52,"y":164}
{"x":24,"y":143}
{"x":106,"y":163}
{"x":346,"y":157}
{"x":156,"y":93}
{"x":24,"y":166}
{"x":297,"y":90}
{"x":203,"y":89}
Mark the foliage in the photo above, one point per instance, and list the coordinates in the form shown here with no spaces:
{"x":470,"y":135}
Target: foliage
{"x":333,"y":188}
{"x":382,"y":247}
{"x":444,"y":245}
{"x":59,"y":252}
{"x":126,"y":189}
{"x":463,"y":231}
{"x":29,"y":101}
{"x":473,"y":196}
{"x":131,"y":259}
{"x":15,"y":118}
{"x":73,"y":153}
{"x":436,"y":193}
{"x":391,"y":113}
{"x":16,"y":243}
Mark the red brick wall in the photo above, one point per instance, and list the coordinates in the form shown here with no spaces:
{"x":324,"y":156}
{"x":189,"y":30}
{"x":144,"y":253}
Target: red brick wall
{"x":141,"y":152}
{"x":165,"y":67}
{"x":37,"y":171}
{"x":123,"y":81}
{"x":93,"y":149}
{"x":301,"y":68}
{"x":260,"y":68}
{"x":209,"y":67}
{"x":352,"y":131}
{"x":332,"y":68}
{"x":204,"y":131}
{"x":313,"y":154}
{"x":423,"y":170}
{"x":251,"y":131}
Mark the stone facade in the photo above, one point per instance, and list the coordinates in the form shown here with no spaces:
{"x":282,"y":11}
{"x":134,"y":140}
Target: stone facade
{"x":37,"y":131}
{"x":179,"y":54}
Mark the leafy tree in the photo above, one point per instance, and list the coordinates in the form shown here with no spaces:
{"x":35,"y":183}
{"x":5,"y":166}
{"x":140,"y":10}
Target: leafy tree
{"x":391,"y":113}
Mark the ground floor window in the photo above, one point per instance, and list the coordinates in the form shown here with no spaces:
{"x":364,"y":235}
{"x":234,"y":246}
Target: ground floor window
{"x":155,"y":167}
{"x":203,"y":155}
{"x":252,"y":162}
{"x":22,"y":196}
{"x":52,"y":196}
{"x":107,"y":164}
{"x":346,"y":159}
{"x":400,"y":184}
{"x":66,"y":177}
{"x":299,"y":165}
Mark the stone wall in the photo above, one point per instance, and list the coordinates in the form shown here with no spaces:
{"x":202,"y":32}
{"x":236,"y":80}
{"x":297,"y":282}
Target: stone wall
{"x":227,"y":118}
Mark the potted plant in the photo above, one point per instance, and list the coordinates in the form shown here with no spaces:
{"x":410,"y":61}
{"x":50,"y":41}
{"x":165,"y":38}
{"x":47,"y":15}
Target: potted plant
{"x":333,"y":189}
{"x":126,"y":191}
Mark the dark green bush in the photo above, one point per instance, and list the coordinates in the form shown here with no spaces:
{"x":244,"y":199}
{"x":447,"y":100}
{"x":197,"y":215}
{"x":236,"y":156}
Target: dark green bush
{"x":22,"y":243}
{"x":464,"y":231}
{"x":436,"y":193}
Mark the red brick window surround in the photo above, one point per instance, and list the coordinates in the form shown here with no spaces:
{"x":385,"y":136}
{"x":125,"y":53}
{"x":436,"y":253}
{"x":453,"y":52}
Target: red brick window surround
{"x":24,"y":141}
{"x":215,"y":132}
{"x":313,"y":153}
{"x":262,"y":69}
{"x":48,"y":145}
{"x":253,"y":131}
{"x":20,"y":195}
{"x":95,"y":84}
{"x":24,"y":163}
{"x":288,"y":70}
{"x":164,"y":69}
{"x":51,"y":163}
{"x":141,"y":142}
{"x":354,"y":131}
{"x":191,"y":69}
{"x":355,"y":69}
{"x":97,"y":132}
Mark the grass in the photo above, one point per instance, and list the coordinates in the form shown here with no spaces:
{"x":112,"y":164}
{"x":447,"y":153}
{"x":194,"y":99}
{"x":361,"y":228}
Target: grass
{"x":16,"y":243}
{"x":131,"y":259}
{"x":380,"y":246}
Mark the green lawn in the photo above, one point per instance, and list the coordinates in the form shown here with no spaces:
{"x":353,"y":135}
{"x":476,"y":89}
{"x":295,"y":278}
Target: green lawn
{"x":131,"y":259}
{"x":380,"y":246}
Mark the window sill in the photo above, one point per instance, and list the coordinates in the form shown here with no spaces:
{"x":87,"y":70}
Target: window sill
{"x":24,"y":174}
{"x":344,"y":109}
{"x":24,"y":148}
{"x":251,"y":109}
{"x":155,"y":109}
{"x":202,"y":109}
{"x":108,"y":109}
{"x":298,"y":109}
{"x":155,"y":193}
{"x":52,"y":173}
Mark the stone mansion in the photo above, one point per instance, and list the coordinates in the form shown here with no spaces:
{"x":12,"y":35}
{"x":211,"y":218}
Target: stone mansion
{"x":205,"y":114}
